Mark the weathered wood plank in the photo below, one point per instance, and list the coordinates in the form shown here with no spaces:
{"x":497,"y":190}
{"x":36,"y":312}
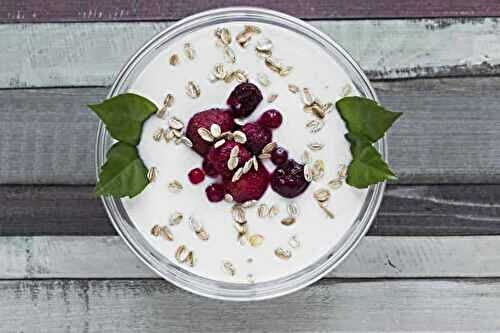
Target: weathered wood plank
{"x":440,"y":210}
{"x":107,"y":257}
{"x":330,"y":305}
{"x":126,"y":10}
{"x":85,"y":54}
{"x":448,"y":134}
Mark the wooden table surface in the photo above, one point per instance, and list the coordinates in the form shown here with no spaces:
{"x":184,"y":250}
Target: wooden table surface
{"x":431,"y":261}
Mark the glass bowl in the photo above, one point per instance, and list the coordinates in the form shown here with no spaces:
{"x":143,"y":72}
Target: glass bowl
{"x":172,"y":272}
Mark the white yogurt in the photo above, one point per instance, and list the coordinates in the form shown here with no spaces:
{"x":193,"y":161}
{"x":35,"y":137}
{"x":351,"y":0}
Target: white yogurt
{"x":312,"y":68}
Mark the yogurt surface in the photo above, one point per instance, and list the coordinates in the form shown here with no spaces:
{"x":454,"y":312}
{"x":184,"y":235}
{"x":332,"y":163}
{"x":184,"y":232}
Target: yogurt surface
{"x":313,"y":68}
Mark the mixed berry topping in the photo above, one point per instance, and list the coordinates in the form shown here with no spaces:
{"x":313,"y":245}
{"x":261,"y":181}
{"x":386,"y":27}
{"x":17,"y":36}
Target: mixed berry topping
{"x":244,"y":99}
{"x":257,"y":136}
{"x":215,"y":192}
{"x":279,"y":156}
{"x":288,"y":179}
{"x":196,"y":176}
{"x":271,"y":119}
{"x":235,"y":156}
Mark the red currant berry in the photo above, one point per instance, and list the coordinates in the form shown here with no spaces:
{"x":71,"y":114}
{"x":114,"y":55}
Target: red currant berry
{"x":279,"y":156}
{"x":209,"y":168}
{"x":215,"y":192}
{"x":196,"y":176}
{"x":271,"y":119}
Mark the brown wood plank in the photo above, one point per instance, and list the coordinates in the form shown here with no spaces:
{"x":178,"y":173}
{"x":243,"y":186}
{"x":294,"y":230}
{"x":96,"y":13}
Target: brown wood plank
{"x":126,"y":10}
{"x":340,"y":305}
{"x":436,"y":210}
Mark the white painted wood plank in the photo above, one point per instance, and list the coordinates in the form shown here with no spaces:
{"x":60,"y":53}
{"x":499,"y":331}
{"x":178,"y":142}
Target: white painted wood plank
{"x":330,"y":305}
{"x":77,"y":257}
{"x":82,"y":54}
{"x":448,"y":133}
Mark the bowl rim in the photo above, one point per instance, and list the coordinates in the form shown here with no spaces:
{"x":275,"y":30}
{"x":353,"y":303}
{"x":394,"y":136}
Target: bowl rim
{"x":223,"y":290}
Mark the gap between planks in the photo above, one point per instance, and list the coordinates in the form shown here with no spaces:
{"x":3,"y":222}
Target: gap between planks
{"x":91,"y":54}
{"x":57,"y":257}
{"x":448,"y":133}
{"x":330,"y":305}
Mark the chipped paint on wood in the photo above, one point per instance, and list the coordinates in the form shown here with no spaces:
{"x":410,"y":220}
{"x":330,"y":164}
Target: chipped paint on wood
{"x":76,"y":257}
{"x":86,"y":10}
{"x":340,"y":305}
{"x":435,"y":210}
{"x":386,"y":49}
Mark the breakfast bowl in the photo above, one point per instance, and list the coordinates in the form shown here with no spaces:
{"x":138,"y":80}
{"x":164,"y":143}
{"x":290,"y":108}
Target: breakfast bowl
{"x":325,"y":241}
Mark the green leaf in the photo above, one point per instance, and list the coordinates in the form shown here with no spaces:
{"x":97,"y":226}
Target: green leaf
{"x":367,"y":166}
{"x":124,"y":115}
{"x":123,"y":174}
{"x":365,"y":118}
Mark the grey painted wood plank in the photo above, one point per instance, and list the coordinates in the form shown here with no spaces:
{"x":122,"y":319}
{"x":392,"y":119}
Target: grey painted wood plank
{"x":83,"y":54}
{"x":126,"y":10}
{"x":448,"y":134}
{"x":107,"y":257}
{"x":438,"y":210}
{"x":330,"y":305}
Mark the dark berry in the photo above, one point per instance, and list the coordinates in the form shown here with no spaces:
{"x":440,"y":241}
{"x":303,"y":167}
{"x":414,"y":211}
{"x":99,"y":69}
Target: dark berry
{"x":196,"y":176}
{"x":279,"y":156}
{"x":244,"y":99}
{"x":209,"y":168}
{"x":218,"y":157}
{"x":205,"y":119}
{"x":251,"y":186}
{"x":288,"y":179}
{"x":215,"y":192}
{"x":257,"y":137}
{"x":271,"y":119}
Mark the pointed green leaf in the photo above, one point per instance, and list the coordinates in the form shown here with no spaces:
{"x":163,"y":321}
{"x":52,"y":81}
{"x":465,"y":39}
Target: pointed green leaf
{"x":365,"y":118}
{"x":367,"y":166}
{"x":124,"y":115}
{"x":123,"y":174}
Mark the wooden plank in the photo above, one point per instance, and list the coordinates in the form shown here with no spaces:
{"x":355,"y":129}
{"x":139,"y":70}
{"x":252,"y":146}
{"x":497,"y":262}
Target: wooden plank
{"x":330,"y":305}
{"x":448,"y":134}
{"x":126,"y":10}
{"x":107,"y":257}
{"x":83,"y":54}
{"x":439,"y":210}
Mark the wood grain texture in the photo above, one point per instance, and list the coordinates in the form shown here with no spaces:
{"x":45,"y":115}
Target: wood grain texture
{"x":125,"y":10}
{"x":330,"y":305}
{"x":107,"y":257}
{"x":91,"y":54}
{"x":439,"y":210}
{"x":448,"y":134}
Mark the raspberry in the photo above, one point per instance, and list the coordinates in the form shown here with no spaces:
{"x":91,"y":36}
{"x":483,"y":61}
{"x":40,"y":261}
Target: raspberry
{"x":205,"y":119}
{"x":279,"y":156}
{"x":288,"y":179}
{"x":196,"y":176}
{"x":257,"y":137}
{"x":251,"y":186}
{"x":215,"y":192}
{"x":244,"y":99}
{"x":218,"y":157}
{"x":209,"y":169}
{"x":271,"y":119}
